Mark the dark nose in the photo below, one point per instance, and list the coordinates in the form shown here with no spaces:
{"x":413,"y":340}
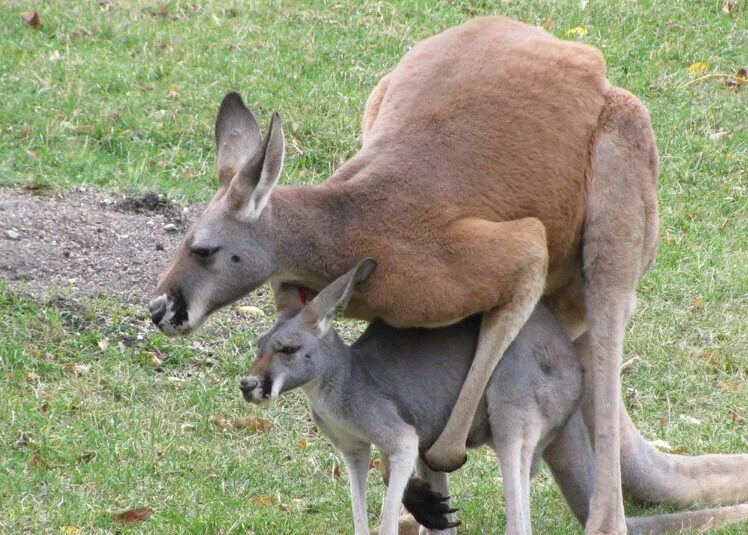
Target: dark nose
{"x":247,"y":384}
{"x":157,"y":308}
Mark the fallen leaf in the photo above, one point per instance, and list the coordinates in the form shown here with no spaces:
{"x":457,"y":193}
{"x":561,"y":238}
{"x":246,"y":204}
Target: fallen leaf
{"x":699,"y":66}
{"x":302,"y":442}
{"x":709,"y":357}
{"x":579,"y":31}
{"x":262,"y":500}
{"x":679,"y":451}
{"x":690,"y":420}
{"x":717,"y":136}
{"x":737,"y":418}
{"x":250,"y":310}
{"x":549,"y":24}
{"x":220,"y":422}
{"x":70,"y":530}
{"x":133,"y":516}
{"x":36,"y":460}
{"x":173,"y":91}
{"x":258,"y":425}
{"x":697,"y":304}
{"x":103,"y":343}
{"x":376,"y":463}
{"x":32,"y":19}
{"x":629,"y":364}
{"x":153,"y":360}
{"x":728,"y":7}
{"x":187,"y":428}
{"x":730,"y":386}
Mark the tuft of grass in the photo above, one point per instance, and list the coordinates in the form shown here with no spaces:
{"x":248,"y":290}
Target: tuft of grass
{"x":122,"y":95}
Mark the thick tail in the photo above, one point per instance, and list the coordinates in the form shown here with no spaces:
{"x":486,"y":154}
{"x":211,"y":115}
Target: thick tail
{"x":570,"y":458}
{"x":650,"y":475}
{"x":687,"y":520}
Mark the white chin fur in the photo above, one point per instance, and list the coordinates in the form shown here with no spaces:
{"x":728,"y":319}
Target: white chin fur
{"x":277,"y":385}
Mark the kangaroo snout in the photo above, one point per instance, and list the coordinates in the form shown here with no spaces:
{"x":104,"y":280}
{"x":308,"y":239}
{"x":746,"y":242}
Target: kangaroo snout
{"x":157,"y":309}
{"x":254,"y":389}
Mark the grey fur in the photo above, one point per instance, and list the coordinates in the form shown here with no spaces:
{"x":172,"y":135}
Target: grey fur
{"x":395,"y":388}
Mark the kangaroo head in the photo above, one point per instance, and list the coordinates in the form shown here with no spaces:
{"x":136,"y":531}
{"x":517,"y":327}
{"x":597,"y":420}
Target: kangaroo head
{"x":301,"y":345}
{"x":227,"y":252}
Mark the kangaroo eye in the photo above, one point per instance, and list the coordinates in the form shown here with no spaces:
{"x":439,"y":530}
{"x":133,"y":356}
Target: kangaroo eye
{"x":204,"y":252}
{"x":288,"y":350}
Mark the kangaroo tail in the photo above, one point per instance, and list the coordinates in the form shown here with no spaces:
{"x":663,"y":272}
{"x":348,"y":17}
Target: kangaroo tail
{"x":570,"y":458}
{"x":687,"y":520}
{"x":650,"y":475}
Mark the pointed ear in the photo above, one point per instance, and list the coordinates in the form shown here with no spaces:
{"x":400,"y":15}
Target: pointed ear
{"x":251,"y":187}
{"x":321,"y":310}
{"x":237,"y":136}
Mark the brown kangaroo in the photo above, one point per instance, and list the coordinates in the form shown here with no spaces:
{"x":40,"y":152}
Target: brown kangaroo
{"x":498,"y":165}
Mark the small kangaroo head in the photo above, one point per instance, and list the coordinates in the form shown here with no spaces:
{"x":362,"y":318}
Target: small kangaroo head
{"x":227,"y":252}
{"x":301,"y":345}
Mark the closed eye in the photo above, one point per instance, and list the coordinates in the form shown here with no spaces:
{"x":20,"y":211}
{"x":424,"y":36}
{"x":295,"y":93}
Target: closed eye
{"x":204,"y":252}
{"x":288,"y":350}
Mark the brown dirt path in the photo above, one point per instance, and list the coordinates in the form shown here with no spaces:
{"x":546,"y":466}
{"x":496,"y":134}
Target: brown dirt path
{"x":88,"y":244}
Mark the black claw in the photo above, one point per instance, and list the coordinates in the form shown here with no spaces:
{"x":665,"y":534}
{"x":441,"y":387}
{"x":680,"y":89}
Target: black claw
{"x":429,"y":508}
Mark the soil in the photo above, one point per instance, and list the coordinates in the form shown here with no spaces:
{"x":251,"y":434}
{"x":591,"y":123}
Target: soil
{"x":88,"y":244}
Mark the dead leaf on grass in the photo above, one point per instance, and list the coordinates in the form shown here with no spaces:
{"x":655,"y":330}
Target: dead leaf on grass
{"x":302,"y":442}
{"x":173,"y":91}
{"x":258,"y":425}
{"x":729,"y":386}
{"x":697,"y":304}
{"x":709,"y":357}
{"x":579,"y":31}
{"x":697,"y":67}
{"x":36,"y":460}
{"x":549,"y":24}
{"x":71,"y":530}
{"x":32,"y":19}
{"x":728,"y":7}
{"x":133,"y":516}
{"x":262,"y":500}
{"x":737,"y":418}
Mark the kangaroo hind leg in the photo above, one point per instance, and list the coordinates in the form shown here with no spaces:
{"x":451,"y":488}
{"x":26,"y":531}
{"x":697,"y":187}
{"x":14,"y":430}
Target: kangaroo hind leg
{"x":510,"y":261}
{"x":617,"y":247}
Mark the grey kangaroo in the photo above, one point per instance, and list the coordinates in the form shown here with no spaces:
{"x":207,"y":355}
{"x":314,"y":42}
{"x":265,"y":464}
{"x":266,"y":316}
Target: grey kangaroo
{"x":395,"y":388}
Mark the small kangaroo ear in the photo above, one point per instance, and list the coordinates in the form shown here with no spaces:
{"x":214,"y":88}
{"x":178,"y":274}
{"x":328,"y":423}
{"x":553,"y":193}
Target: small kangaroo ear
{"x":251,"y":187}
{"x":321,"y":310}
{"x":238,"y":137}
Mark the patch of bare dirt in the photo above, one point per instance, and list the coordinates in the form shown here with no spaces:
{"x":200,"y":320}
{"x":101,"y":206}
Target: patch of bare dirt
{"x":88,"y":243}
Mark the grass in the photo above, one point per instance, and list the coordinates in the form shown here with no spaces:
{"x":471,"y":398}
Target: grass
{"x":123,"y":95}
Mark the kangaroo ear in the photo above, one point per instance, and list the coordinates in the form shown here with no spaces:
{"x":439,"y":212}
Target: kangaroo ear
{"x":321,"y":310}
{"x":237,"y":137}
{"x":251,"y":187}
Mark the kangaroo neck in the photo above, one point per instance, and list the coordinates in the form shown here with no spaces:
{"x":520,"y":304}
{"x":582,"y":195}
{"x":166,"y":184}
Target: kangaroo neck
{"x":309,"y":224}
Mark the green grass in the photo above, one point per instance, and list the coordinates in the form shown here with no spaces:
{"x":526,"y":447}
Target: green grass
{"x":123,"y":97}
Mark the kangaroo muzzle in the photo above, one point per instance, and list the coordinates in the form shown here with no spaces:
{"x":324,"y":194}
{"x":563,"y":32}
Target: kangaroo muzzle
{"x":169,"y":313}
{"x":258,"y":389}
